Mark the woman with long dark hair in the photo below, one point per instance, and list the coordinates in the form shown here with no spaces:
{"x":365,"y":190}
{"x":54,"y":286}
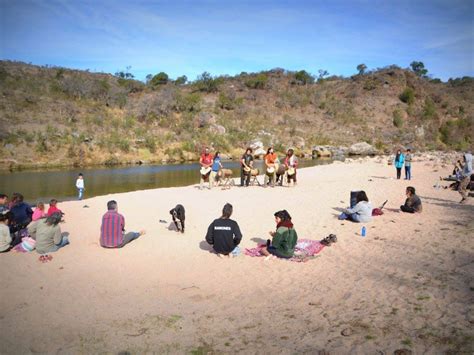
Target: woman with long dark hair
{"x":399,"y":162}
{"x":361,"y":212}
{"x":284,"y":238}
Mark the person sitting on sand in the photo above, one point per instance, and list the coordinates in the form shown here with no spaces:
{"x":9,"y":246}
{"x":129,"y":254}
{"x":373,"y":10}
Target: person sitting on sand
{"x":361,"y":212}
{"x":412,"y":203}
{"x":53,"y":207}
{"x":271,"y":167}
{"x":5,"y":236}
{"x":22,"y":213}
{"x":3,"y":203}
{"x":112,"y":230}
{"x":224,"y":233}
{"x":284,"y":238}
{"x":39,"y":212}
{"x":47,"y":234}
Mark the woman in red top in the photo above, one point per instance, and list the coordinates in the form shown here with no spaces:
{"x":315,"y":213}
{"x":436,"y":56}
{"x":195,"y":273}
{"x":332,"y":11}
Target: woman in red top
{"x":206,"y":163}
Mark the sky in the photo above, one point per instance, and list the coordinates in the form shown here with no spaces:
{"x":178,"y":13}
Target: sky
{"x":228,"y":37}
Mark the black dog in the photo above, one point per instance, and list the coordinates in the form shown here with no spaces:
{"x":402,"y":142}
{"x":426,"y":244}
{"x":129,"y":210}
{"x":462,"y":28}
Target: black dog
{"x":178,"y":216}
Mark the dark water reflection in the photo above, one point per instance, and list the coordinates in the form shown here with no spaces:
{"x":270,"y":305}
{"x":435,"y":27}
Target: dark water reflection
{"x":46,"y":184}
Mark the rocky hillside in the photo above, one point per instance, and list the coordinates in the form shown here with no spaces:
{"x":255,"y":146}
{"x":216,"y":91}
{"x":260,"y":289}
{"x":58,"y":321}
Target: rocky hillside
{"x":58,"y":116}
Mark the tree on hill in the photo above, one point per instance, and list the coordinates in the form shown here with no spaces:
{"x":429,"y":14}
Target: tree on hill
{"x":205,"y":82}
{"x":159,"y":79}
{"x":361,"y":68}
{"x":303,"y":77}
{"x":125,"y":74}
{"x":181,"y":80}
{"x":419,"y":68}
{"x":322,"y":74}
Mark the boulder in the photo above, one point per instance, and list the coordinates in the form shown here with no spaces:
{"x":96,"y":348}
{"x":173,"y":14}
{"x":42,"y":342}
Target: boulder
{"x":321,"y":152}
{"x":259,"y":152}
{"x":256,"y":144}
{"x":420,"y":132}
{"x":205,"y":119}
{"x":362,"y":148}
{"x":218,"y":129}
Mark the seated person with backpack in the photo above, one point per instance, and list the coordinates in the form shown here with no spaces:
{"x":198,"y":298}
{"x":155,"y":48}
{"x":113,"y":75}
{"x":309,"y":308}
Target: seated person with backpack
{"x":361,"y":212}
{"x":412,"y":203}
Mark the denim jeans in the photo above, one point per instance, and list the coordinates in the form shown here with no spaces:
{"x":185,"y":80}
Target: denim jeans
{"x":80,"y":193}
{"x":408,"y":172}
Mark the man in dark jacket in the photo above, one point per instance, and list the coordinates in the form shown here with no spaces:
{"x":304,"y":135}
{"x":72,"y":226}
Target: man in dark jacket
{"x":224,"y":233}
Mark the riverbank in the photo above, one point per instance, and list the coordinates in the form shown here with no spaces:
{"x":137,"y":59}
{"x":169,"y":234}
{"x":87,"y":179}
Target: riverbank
{"x":407,"y":285}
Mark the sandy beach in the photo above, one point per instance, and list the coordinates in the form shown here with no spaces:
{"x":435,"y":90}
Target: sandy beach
{"x":407,"y":285}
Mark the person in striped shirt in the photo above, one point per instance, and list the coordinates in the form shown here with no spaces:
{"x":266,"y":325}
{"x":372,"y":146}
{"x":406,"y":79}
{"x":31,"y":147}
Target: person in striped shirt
{"x":112,"y":230}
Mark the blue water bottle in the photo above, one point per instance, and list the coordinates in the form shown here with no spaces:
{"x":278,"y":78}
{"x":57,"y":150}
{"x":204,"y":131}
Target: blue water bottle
{"x":364,"y":231}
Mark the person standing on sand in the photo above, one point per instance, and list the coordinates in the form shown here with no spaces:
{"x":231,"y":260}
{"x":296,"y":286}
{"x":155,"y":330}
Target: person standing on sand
{"x":224,"y":234}
{"x":80,"y":186}
{"x":466,"y":173}
{"x":112,"y":230}
{"x":408,"y":160}
{"x":216,"y":166}
{"x":284,"y":239}
{"x":246,"y":163}
{"x":412,"y":203}
{"x":271,"y":167}
{"x":399,"y":160}
{"x":291,"y":163}
{"x":206,"y":162}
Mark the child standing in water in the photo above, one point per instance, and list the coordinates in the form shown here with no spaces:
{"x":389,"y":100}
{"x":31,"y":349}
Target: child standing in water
{"x":80,"y":186}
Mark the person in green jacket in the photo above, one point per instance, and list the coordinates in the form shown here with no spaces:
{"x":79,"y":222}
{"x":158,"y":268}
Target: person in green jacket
{"x":284,"y":239}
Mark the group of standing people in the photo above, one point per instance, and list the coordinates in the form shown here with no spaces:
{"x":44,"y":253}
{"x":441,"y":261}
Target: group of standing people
{"x":274,"y":173}
{"x":403,"y":160}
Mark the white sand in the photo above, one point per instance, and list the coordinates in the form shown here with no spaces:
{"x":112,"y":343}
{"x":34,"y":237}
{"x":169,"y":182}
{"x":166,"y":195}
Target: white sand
{"x":408,"y":284}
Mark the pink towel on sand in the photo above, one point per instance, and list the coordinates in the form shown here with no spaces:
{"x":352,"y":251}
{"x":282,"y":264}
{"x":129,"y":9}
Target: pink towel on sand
{"x":305,"y":249}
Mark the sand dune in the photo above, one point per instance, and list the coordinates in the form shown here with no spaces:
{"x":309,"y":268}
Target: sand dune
{"x":407,"y":285}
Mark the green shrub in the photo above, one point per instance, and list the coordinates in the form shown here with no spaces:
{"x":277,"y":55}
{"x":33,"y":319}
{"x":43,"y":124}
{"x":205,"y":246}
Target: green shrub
{"x":303,"y":77}
{"x":397,"y":118}
{"x":150,"y":143}
{"x":181,"y":80}
{"x":159,"y":79}
{"x":205,"y":82}
{"x":407,"y":96}
{"x":228,"y":101}
{"x":429,"y":109}
{"x":458,"y":133}
{"x":257,"y":82}
{"x":188,"y":102}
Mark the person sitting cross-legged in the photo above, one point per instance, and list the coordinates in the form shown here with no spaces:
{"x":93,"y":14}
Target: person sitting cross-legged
{"x":412,"y":203}
{"x":224,"y":234}
{"x":112,"y":230}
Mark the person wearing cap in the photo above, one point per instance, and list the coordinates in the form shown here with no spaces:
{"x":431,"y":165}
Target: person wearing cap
{"x":224,"y":233}
{"x":47,"y":234}
{"x":206,"y":163}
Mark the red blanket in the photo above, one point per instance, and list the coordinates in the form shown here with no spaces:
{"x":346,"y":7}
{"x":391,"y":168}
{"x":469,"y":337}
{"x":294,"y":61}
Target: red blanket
{"x":305,"y":250}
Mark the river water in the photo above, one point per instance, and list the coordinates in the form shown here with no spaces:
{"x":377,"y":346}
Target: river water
{"x":42,"y":185}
